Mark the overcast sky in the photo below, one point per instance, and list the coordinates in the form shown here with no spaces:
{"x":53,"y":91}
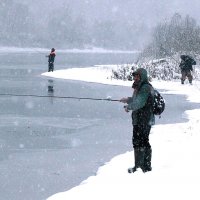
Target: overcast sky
{"x":145,"y":11}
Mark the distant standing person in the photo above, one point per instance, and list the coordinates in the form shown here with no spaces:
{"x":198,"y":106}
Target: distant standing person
{"x":186,"y":68}
{"x":51,"y":59}
{"x":141,"y":105}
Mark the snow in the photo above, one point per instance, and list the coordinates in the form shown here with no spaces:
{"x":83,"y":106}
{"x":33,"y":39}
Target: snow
{"x":175,"y":147}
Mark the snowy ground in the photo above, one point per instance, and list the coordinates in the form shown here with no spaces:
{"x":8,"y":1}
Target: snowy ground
{"x":175,"y":160}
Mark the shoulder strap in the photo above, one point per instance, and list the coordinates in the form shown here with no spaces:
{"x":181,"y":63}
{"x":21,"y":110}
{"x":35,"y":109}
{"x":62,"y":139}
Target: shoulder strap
{"x":147,"y":83}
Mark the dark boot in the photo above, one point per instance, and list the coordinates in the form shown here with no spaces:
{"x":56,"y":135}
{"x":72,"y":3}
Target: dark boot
{"x":147,"y":160}
{"x":139,"y":159}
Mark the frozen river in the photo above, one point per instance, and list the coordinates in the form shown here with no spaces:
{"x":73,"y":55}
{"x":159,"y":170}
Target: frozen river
{"x":50,"y":145}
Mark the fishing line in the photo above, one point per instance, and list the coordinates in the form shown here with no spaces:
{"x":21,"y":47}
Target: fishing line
{"x":60,"y":97}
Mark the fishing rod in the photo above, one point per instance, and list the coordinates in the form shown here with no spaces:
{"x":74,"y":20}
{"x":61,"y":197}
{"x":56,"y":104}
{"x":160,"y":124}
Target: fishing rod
{"x":60,"y":97}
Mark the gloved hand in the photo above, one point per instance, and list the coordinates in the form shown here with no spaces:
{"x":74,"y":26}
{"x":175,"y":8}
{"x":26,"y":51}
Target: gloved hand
{"x":126,"y":108}
{"x":124,"y":100}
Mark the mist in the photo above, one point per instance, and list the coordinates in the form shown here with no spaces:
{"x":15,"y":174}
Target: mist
{"x":109,"y":24}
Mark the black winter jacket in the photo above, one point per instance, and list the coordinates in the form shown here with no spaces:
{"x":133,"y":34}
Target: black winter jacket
{"x":186,"y":63}
{"x":51,"y":57}
{"x":141,"y":101}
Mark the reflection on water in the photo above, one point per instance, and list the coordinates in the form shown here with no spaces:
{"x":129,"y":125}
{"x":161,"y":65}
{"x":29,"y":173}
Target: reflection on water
{"x":50,"y":90}
{"x":50,"y":86}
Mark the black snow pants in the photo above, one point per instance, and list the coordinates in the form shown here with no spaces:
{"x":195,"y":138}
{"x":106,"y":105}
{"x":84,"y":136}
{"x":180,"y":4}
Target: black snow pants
{"x":51,"y":66}
{"x":142,"y":147}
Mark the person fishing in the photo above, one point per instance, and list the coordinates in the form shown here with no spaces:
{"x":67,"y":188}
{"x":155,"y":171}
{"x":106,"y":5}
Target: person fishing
{"x":51,"y":59}
{"x":141,"y":105}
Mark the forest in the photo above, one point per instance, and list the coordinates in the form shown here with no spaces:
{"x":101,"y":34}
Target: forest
{"x":20,"y":26}
{"x":161,"y":57}
{"x":62,"y":28}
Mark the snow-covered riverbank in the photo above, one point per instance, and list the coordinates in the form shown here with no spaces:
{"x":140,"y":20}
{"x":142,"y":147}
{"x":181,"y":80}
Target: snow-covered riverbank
{"x":175,"y":160}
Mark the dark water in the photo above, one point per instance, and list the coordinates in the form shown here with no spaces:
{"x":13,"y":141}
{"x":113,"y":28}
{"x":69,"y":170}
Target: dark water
{"x":45,"y":141}
{"x":50,"y":145}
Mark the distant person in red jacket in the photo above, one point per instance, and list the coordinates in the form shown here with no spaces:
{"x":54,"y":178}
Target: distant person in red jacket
{"x":51,"y":59}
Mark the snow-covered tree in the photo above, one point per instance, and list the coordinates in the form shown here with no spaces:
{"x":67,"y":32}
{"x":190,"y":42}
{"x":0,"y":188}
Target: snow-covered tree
{"x":176,"y":35}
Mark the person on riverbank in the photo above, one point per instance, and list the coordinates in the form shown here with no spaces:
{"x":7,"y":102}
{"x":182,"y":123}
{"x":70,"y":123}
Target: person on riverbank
{"x":141,"y":105}
{"x":51,"y":59}
{"x":186,"y":68}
